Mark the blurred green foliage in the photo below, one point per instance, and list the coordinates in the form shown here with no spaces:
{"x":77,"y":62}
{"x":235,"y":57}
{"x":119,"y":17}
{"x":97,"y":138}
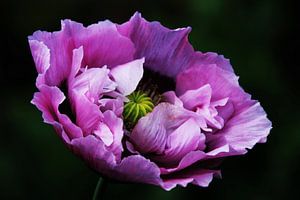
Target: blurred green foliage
{"x":260,"y":38}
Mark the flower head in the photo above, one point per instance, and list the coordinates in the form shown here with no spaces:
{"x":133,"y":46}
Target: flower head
{"x":137,"y":103}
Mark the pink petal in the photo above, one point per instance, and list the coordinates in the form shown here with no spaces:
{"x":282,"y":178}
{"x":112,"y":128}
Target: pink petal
{"x":198,"y":177}
{"x":102,"y":43}
{"x":198,"y":97}
{"x":211,"y":58}
{"x":247,"y":128}
{"x":91,"y":83}
{"x":104,"y":134}
{"x":127,"y":76}
{"x":184,"y":139}
{"x":171,"y":98}
{"x":48,"y":101}
{"x":41,"y":55}
{"x":166,"y":51}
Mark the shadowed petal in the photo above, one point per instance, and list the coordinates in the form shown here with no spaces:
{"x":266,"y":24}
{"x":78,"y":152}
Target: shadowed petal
{"x":48,"y":101}
{"x":166,"y":51}
{"x":200,"y":177}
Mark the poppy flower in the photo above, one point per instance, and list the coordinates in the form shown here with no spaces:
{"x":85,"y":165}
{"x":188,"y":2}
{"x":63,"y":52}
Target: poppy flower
{"x":137,"y":103}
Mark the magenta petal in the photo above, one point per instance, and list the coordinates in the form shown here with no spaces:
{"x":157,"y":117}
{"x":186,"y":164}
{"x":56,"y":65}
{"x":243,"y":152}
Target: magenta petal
{"x":127,"y":76}
{"x":247,"y":128}
{"x":102,"y":43}
{"x":224,"y":84}
{"x":148,"y":138}
{"x":166,"y":51}
{"x":104,"y":134}
{"x":198,"y":97}
{"x":184,"y":139}
{"x":133,"y":168}
{"x":88,"y":114}
{"x":93,"y":151}
{"x":115,"y":126}
{"x":48,"y":101}
{"x":115,"y":105}
{"x":136,"y":168}
{"x":60,"y":45}
{"x":41,"y":55}
{"x":211,"y":58}
{"x":90,"y":83}
{"x":198,"y":177}
{"x":171,"y":98}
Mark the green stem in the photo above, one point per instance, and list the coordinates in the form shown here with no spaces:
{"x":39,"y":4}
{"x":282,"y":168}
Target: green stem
{"x":98,"y":193}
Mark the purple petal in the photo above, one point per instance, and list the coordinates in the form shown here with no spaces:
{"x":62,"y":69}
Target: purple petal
{"x":211,"y":58}
{"x":115,"y":105}
{"x":224,"y":84}
{"x":184,"y":139}
{"x":198,"y":177}
{"x":91,"y":83}
{"x":60,"y":45}
{"x":104,"y":134}
{"x":88,"y":114}
{"x":133,"y":168}
{"x":162,"y":132}
{"x":115,"y":126}
{"x":93,"y":151}
{"x":171,"y":98}
{"x":48,"y":101}
{"x":197,"y":98}
{"x":136,"y":168}
{"x":102,"y":43}
{"x":150,"y":135}
{"x":166,"y":51}
{"x":247,"y":128}
{"x":127,"y":76}
{"x":247,"y":124}
{"x":41,"y":55}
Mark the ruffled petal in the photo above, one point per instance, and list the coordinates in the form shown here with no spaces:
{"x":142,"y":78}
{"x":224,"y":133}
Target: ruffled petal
{"x":136,"y":168}
{"x":93,"y":151}
{"x":41,"y":55}
{"x":166,"y":51}
{"x":246,"y":123}
{"x":224,"y":84}
{"x":246,"y":128}
{"x":60,"y":45}
{"x":200,"y":177}
{"x":128,"y":76}
{"x":197,"y":98}
{"x":162,"y":133}
{"x":184,"y":139}
{"x":133,"y":168}
{"x":48,"y":101}
{"x":211,"y":58}
{"x":91,"y":83}
{"x":102,"y":43}
{"x":115,"y":105}
{"x":88,"y":114}
{"x":115,"y":126}
{"x":171,"y":98}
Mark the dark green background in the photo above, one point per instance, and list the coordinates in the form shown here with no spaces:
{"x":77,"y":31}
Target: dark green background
{"x":260,"y":37}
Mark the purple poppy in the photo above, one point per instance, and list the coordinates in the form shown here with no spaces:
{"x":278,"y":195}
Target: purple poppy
{"x":138,"y":104}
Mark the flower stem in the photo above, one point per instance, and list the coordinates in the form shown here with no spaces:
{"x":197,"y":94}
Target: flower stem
{"x":98,"y":193}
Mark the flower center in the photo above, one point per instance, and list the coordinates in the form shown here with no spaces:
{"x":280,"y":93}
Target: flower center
{"x":138,"y":106}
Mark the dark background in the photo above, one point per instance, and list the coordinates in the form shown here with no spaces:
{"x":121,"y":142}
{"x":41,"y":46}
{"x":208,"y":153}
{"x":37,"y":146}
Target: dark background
{"x":260,"y":37}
